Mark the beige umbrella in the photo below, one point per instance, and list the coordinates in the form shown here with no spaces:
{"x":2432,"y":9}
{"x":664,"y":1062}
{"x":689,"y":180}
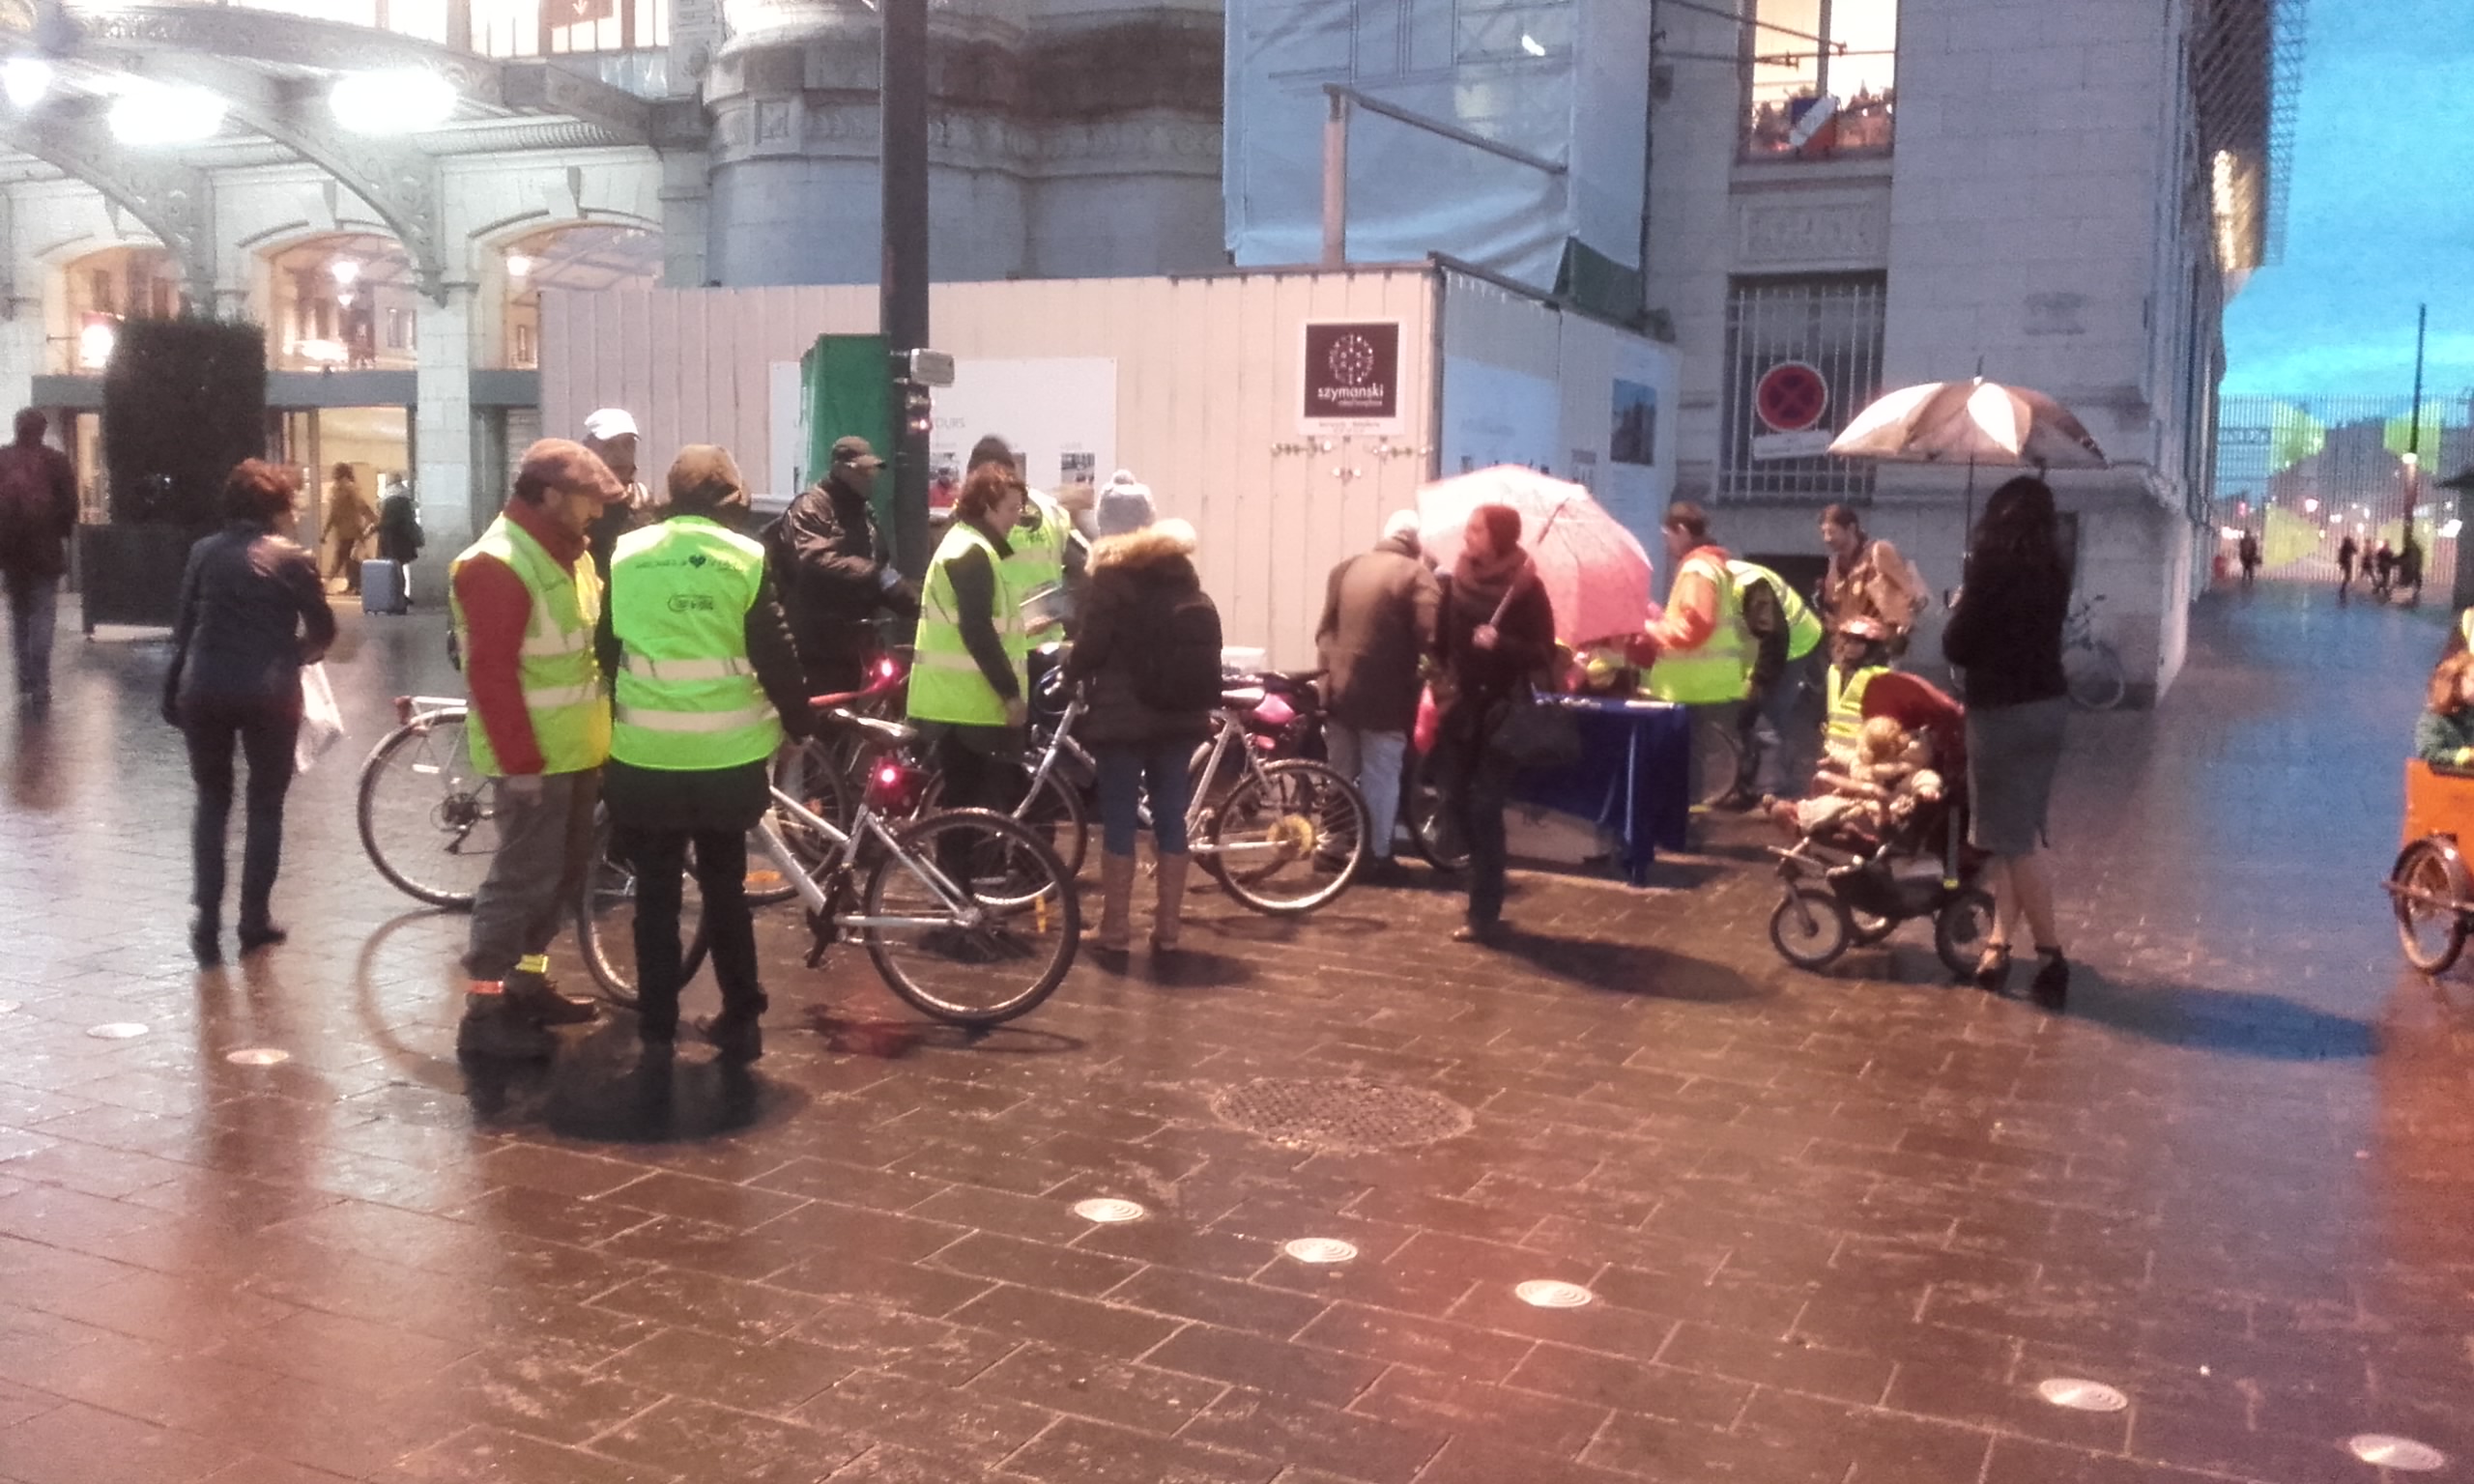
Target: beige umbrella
{"x":1972,"y":422}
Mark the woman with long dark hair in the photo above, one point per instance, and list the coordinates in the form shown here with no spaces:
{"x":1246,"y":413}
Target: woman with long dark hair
{"x":1497,"y":632}
{"x":252,"y":611}
{"x":2005,"y":633}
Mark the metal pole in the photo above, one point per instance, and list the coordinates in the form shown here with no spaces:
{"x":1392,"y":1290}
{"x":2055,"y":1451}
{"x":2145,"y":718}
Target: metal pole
{"x":903,"y":280}
{"x":1336,"y":180}
{"x":2414,"y":430}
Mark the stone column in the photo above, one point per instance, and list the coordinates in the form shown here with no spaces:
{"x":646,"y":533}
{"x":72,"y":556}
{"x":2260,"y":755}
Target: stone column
{"x":452,"y":506}
{"x":793,"y":151}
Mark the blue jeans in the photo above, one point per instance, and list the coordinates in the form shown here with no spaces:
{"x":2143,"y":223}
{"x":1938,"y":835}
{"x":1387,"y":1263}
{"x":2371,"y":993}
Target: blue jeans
{"x":34,"y":608}
{"x":1127,"y":774}
{"x":1371,"y":761}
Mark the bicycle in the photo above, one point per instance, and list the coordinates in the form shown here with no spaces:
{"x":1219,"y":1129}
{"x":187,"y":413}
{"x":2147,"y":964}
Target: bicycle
{"x":955,"y":908}
{"x":2091,"y":667}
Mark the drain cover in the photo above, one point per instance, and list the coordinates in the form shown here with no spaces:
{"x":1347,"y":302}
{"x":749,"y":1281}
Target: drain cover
{"x":2081,"y":1395}
{"x":1339,"y":1114}
{"x":2402,"y":1454}
{"x":257,"y":1056}
{"x":117,"y":1030}
{"x":1108,"y":1211}
{"x":1552,"y":1294}
{"x":1320,"y":1249}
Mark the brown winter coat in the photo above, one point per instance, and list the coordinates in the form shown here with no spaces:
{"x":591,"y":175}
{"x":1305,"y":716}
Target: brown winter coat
{"x":1136,"y":581}
{"x":1378,"y":622}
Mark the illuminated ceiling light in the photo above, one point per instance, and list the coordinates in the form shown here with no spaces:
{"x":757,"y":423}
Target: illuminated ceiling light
{"x":1531,"y":45}
{"x":344,"y":271}
{"x":150,"y":115}
{"x":395,"y":102}
{"x":519,"y":266}
{"x":25,"y":79}
{"x":2449,"y":528}
{"x":94,"y":345}
{"x":2411,"y":457}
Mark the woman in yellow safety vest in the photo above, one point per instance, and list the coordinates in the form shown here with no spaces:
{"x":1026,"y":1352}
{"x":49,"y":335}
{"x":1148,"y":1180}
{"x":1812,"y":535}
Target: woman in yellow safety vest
{"x":969,"y":679}
{"x":1858,"y":651}
{"x":709,"y":680}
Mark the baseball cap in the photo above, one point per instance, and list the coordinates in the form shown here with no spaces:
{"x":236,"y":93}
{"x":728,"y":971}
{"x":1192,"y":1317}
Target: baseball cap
{"x":703,"y":476}
{"x":854,"y":449}
{"x":569,"y":468}
{"x":608,"y":423}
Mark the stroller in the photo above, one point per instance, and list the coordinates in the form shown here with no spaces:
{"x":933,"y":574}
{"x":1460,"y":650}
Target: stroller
{"x":1847,"y":885}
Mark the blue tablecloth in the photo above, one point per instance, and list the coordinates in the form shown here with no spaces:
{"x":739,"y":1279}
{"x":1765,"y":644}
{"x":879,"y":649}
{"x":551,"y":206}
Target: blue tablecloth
{"x":1633,"y":780}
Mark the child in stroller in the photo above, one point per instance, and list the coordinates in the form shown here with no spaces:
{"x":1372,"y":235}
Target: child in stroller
{"x":1884,"y":841}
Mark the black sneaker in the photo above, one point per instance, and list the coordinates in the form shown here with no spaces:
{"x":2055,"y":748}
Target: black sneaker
{"x":206,"y":941}
{"x":536,"y":997}
{"x":257,"y":935}
{"x":493,"y":1031}
{"x":738,"y":1037}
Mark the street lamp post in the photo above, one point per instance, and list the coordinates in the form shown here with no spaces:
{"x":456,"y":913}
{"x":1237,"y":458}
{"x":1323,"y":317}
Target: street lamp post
{"x":903,"y":282}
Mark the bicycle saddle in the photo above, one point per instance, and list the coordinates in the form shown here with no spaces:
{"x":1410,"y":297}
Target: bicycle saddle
{"x":1241,"y":698}
{"x":890,"y":733}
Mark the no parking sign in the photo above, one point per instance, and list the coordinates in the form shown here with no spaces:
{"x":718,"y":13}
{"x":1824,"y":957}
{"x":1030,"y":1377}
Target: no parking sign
{"x":1789,"y":399}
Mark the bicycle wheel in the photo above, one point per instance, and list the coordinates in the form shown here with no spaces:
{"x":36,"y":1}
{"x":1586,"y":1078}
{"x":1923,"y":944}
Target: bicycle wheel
{"x":428,"y":818}
{"x":810,"y":773}
{"x":1053,"y":812}
{"x":1437,"y":833}
{"x":989,"y":962}
{"x":2094,"y":675}
{"x":606,"y":923}
{"x":1288,"y":839}
{"x":1809,"y":928}
{"x":1961,"y":929}
{"x":2430,"y":926}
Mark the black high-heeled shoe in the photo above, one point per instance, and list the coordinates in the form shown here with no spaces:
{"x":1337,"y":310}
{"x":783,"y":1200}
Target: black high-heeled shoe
{"x":2050,"y":987}
{"x":1992,"y":970}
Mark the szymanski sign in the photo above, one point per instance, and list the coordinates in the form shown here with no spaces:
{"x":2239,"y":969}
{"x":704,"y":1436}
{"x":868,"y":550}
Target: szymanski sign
{"x":1352,"y":376}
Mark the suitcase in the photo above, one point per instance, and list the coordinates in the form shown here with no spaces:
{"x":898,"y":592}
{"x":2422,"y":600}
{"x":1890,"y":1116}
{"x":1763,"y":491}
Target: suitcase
{"x":382,"y":590}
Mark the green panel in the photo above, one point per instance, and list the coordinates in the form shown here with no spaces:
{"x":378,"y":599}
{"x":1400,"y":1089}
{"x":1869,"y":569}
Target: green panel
{"x":1598,"y":284}
{"x":845,"y":384}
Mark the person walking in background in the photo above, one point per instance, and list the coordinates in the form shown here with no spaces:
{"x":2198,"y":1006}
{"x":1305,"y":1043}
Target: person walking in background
{"x":527,"y":602}
{"x":1786,"y":638}
{"x":1699,"y":653}
{"x":2247,"y":553}
{"x":2409,"y":565}
{"x":2382,"y":566}
{"x":1147,"y":658}
{"x":38,"y":515}
{"x":612,"y":437}
{"x":1495,"y":632}
{"x":1378,"y":624}
{"x":349,"y":517}
{"x":252,"y":610}
{"x":836,"y":571}
{"x":399,"y":530}
{"x":2346,"y":551}
{"x":2006,"y":635}
{"x":707,"y":683}
{"x":1868,"y":577}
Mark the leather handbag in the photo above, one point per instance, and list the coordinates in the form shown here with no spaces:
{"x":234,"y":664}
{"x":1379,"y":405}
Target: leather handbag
{"x":1536,"y":735}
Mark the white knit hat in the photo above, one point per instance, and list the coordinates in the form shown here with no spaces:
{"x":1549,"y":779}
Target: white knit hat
{"x":1125,"y":504}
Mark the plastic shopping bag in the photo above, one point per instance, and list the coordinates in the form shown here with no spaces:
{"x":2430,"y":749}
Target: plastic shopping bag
{"x":322,"y":721}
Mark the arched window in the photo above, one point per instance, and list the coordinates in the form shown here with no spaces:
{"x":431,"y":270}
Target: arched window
{"x":342,"y":303}
{"x":104,"y":287}
{"x":586,"y":258}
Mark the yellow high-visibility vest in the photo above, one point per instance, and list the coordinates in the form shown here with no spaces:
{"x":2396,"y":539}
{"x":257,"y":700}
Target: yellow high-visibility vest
{"x":561,"y":678}
{"x":687,"y":696}
{"x":945,"y":681}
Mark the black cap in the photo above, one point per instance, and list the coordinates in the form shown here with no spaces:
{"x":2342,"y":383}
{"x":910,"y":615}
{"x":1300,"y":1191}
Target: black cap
{"x":854,"y":450}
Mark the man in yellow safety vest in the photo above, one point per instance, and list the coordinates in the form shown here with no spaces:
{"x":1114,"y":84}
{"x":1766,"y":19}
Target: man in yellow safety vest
{"x":708,"y":681}
{"x":525,"y":599}
{"x":1787,"y":637}
{"x":1700,"y":654}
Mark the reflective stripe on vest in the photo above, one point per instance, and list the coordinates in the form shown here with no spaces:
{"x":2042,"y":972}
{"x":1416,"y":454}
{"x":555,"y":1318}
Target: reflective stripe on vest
{"x":1804,"y":625}
{"x":1039,"y":551}
{"x":1845,"y":723}
{"x":556,"y":669}
{"x":2465,"y":627}
{"x":1720,"y":670}
{"x":688,"y":697}
{"x":945,"y":682}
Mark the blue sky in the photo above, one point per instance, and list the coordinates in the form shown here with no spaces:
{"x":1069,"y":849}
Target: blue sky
{"x":2381,"y":214}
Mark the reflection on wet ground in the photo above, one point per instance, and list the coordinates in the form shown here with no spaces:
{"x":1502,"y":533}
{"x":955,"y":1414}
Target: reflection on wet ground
{"x":1827,"y":1228}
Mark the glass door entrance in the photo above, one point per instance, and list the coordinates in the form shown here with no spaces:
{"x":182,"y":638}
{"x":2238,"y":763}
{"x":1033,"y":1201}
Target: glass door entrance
{"x":347,"y":460}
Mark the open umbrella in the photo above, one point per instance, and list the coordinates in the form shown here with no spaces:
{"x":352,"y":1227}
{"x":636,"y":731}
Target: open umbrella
{"x":1971,"y":422}
{"x":1594,"y":570}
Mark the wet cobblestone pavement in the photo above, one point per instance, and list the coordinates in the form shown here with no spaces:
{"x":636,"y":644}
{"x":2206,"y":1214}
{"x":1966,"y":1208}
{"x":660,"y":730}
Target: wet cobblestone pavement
{"x":1834,"y":1227}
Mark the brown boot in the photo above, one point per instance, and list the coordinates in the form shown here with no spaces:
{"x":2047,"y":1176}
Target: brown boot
{"x":1167,"y":915}
{"x":1117,"y":904}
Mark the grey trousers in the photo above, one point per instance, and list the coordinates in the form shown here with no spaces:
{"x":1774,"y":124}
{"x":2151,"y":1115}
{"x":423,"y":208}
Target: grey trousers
{"x":545,"y":848}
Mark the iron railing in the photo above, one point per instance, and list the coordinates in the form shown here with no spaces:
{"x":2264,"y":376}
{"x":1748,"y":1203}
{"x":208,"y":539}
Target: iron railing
{"x":1831,"y":323}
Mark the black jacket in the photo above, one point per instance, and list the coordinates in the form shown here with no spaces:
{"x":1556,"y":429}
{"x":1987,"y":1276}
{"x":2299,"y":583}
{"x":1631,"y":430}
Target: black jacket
{"x":399,"y":529}
{"x":252,"y":611}
{"x":1137,"y":580}
{"x":34,"y":542}
{"x":831,"y":561}
{"x":1524,"y":644}
{"x":2006,"y":633}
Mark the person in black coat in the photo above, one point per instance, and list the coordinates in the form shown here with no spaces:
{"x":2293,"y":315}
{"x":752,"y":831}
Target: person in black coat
{"x":1497,"y":633}
{"x":836,"y":571}
{"x":252,"y":611}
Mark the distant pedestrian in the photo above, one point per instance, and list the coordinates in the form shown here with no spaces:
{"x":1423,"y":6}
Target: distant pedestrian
{"x":349,"y":518}
{"x":399,"y":529}
{"x":836,"y":571}
{"x":610,"y":434}
{"x":2346,"y":551}
{"x":2247,"y":553}
{"x":2409,"y":565}
{"x":2383,"y":570}
{"x":252,"y":610}
{"x":1868,"y":579}
{"x":2006,"y":633}
{"x":1378,"y":624}
{"x":1148,"y":661}
{"x":38,"y":514}
{"x":1496,"y":632}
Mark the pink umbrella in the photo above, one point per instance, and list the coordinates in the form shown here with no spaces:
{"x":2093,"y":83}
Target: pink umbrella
{"x":1595,"y":573}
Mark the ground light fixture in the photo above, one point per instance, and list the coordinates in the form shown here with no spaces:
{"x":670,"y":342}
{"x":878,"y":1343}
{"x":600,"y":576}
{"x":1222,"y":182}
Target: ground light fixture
{"x":25,"y":79}
{"x":398,"y":101}
{"x":150,"y":115}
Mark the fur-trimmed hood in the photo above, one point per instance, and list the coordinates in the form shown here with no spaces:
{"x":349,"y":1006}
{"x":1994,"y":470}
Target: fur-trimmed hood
{"x":1152,"y":548}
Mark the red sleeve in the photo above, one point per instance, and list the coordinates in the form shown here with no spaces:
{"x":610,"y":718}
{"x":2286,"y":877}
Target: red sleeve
{"x":497,"y":608}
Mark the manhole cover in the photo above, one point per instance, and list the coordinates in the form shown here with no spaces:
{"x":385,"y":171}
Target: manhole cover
{"x":117,"y":1030}
{"x":1320,"y":1249}
{"x":1552,"y":1294}
{"x":2081,"y":1395}
{"x":1339,"y":1114}
{"x":257,"y":1056}
{"x":1108,"y":1211}
{"x":2402,"y":1454}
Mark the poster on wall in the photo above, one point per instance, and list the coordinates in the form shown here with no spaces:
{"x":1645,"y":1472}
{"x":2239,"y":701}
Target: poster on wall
{"x":1491,"y":415}
{"x":1350,"y":376}
{"x":1639,"y":471}
{"x":1059,"y":416}
{"x":1634,"y":437}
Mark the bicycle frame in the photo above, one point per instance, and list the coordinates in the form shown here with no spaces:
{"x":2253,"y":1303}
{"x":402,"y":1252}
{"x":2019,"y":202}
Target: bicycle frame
{"x":1228,"y":729}
{"x":867,"y":825}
